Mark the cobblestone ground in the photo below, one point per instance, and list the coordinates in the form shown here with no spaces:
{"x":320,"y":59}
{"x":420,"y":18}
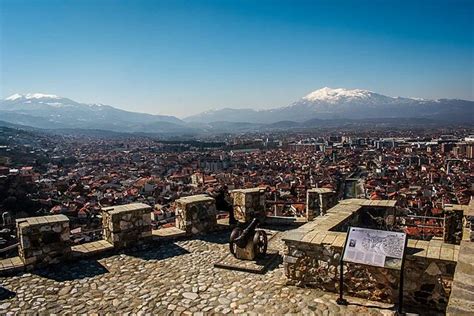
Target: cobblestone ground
{"x":172,"y":278}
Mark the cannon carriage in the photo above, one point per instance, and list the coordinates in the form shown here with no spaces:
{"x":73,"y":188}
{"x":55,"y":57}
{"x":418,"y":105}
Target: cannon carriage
{"x":249,"y":243}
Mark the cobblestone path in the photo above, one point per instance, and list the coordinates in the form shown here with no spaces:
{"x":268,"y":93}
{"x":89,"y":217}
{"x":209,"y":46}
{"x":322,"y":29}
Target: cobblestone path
{"x":172,"y":278}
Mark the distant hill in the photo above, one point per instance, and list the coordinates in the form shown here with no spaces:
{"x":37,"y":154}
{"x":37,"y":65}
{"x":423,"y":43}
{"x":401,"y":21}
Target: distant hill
{"x":327,"y":103}
{"x":322,"y":108}
{"x":51,"y":111}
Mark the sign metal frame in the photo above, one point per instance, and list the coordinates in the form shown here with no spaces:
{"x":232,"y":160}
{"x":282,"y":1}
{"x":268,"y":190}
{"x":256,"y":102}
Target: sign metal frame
{"x":342,"y":301}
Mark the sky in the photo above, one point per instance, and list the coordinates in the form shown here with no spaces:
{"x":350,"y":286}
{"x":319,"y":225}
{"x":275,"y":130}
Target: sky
{"x":183,"y":57}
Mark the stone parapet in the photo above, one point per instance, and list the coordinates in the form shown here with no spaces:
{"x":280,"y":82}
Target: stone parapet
{"x":469,"y":217}
{"x":318,"y":201}
{"x":125,"y":225}
{"x":249,"y":204}
{"x":43,"y":240}
{"x":427,"y":280}
{"x":196,"y":214}
{"x":461,"y":300}
{"x":453,"y":223}
{"x":314,"y":249}
{"x":471,"y":228}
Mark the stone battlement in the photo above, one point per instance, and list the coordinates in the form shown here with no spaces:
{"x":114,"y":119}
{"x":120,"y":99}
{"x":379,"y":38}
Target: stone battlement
{"x":43,"y":240}
{"x":318,"y":201}
{"x":196,"y":214}
{"x":311,"y":258}
{"x":248,"y":203}
{"x":125,"y":225}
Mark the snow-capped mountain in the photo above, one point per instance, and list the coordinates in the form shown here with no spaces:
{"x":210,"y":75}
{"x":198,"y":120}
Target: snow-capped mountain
{"x":328,"y":103}
{"x":343,"y":95}
{"x":323,"y":107}
{"x":51,"y":111}
{"x":29,"y":96}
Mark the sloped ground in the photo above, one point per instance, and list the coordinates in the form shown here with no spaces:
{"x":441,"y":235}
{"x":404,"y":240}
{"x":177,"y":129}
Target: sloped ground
{"x":176,"y":277}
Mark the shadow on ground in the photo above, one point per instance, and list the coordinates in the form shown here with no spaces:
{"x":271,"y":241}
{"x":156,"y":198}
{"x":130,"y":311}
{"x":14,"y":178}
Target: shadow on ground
{"x":158,"y":252}
{"x":222,"y":237}
{"x":275,"y":263}
{"x":370,"y":306}
{"x":72,"y":270}
{"x":411,"y":251}
{"x":6,"y":294}
{"x":215,"y":238}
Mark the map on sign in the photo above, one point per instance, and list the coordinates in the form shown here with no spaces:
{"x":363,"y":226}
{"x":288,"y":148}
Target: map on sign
{"x":378,"y":248}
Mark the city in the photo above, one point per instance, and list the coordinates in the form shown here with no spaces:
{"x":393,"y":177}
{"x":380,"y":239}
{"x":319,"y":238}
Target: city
{"x":237,"y":157}
{"x":424,"y":172}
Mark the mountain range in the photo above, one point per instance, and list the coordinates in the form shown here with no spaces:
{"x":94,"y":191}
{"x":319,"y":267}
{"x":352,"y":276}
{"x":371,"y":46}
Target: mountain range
{"x":323,"y":107}
{"x":51,"y":111}
{"x":337,"y":104}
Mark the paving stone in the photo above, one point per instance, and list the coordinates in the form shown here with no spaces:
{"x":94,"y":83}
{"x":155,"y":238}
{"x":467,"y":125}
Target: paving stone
{"x":171,"y":278}
{"x":191,"y":296}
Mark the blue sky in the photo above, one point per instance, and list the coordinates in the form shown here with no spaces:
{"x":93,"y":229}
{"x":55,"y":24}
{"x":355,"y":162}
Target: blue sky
{"x":183,"y":57}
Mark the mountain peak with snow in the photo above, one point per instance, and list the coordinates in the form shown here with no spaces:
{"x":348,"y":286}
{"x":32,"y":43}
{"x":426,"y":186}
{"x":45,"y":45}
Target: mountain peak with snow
{"x":30,"y":96}
{"x":50,"y":111}
{"x":331,"y":95}
{"x":14,"y":97}
{"x":340,"y":103}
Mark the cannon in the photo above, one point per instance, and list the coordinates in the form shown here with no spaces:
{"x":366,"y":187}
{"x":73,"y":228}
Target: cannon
{"x":248,"y":243}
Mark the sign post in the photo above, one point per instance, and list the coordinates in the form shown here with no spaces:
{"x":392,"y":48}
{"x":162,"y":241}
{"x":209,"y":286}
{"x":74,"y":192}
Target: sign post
{"x":378,"y":248}
{"x":341,"y":300}
{"x":400,"y":286}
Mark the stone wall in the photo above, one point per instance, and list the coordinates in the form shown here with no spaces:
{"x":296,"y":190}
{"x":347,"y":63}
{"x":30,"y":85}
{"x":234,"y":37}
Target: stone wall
{"x":249,"y":204}
{"x":461,"y":300}
{"x":196,"y":214}
{"x":470,"y":221}
{"x":318,"y":201}
{"x":43,"y":240}
{"x":427,"y":281}
{"x":125,"y":225}
{"x":453,"y":226}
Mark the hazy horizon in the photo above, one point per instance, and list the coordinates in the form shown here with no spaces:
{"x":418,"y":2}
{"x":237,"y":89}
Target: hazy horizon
{"x":182,"y":58}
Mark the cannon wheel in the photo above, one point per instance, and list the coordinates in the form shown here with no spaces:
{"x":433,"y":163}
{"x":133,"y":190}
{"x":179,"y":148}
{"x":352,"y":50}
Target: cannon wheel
{"x":260,"y":242}
{"x":236,"y":232}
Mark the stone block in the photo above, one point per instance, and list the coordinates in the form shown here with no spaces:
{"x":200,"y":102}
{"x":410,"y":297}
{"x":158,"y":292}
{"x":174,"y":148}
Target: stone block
{"x":453,"y":226}
{"x":146,"y":234}
{"x":43,"y":240}
{"x":249,"y":204}
{"x":125,"y":225}
{"x":289,"y":259}
{"x":318,"y":201}
{"x":196,"y":214}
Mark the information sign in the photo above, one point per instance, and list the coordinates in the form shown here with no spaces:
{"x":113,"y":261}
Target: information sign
{"x":373,"y":247}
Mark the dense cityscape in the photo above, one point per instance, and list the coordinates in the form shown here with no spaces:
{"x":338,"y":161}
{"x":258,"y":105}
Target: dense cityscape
{"x":237,"y":157}
{"x":44,"y":173}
